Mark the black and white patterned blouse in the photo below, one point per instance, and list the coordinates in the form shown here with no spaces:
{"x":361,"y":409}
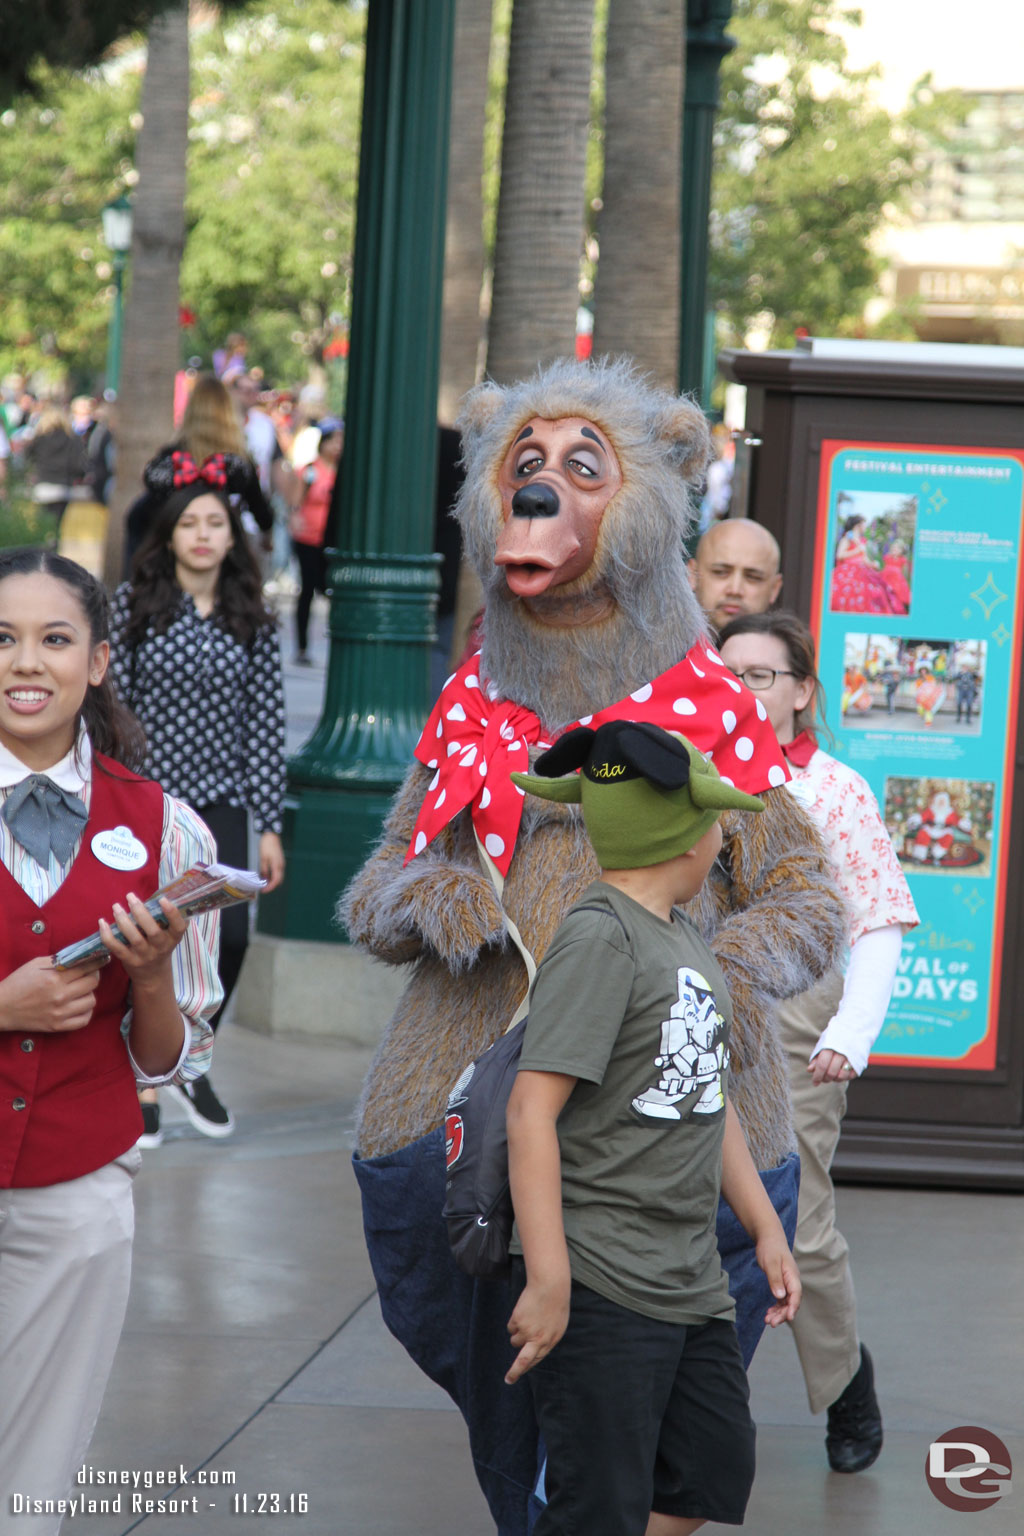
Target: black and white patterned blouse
{"x":212,"y":709}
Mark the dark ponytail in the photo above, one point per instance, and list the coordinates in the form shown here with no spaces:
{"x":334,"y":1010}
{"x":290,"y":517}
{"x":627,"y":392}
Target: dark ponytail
{"x":113,"y":729}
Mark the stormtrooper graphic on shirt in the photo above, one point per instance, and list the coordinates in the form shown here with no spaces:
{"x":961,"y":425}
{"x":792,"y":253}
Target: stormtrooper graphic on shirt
{"x":693,"y":1055}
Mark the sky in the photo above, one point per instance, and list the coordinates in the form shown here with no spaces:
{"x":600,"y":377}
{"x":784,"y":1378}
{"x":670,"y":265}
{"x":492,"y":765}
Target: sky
{"x":971,"y":44}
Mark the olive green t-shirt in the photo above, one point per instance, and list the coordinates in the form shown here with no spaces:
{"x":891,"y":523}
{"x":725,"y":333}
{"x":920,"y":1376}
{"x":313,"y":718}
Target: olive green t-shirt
{"x":637,"y":1009}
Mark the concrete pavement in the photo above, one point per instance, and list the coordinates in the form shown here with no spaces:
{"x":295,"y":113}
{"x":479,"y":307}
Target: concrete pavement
{"x":254,"y":1348}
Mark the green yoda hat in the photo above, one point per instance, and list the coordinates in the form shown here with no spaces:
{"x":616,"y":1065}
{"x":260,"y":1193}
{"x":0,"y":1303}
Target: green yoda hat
{"x":647,"y":795}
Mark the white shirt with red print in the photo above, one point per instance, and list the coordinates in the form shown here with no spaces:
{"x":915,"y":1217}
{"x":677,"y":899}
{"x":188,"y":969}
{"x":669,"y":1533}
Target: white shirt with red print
{"x":843,"y":807}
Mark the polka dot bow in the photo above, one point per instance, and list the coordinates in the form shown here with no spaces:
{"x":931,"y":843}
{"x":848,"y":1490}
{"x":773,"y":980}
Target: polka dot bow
{"x":186,"y":471}
{"x":474,"y":740}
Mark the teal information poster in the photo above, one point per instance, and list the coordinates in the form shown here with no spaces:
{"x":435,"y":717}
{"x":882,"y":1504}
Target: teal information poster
{"x":917,"y":614}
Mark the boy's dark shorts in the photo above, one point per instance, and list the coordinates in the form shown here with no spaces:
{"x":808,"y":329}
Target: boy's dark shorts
{"x":640,"y":1415}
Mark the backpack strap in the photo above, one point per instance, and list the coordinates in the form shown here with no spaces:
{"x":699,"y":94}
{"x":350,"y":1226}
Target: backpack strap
{"x":498,"y":881}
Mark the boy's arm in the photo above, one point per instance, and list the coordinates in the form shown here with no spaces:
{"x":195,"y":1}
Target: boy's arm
{"x":744,"y":1191}
{"x":535,"y":1176}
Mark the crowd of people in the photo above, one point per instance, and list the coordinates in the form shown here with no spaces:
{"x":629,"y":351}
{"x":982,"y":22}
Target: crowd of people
{"x":155,"y":720}
{"x":281,"y":450}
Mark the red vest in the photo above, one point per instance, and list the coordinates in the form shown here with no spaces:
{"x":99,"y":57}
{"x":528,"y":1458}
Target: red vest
{"x":68,"y":1103}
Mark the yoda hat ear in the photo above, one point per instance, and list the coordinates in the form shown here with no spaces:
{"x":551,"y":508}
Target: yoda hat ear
{"x":568,"y":753}
{"x":567,"y":791}
{"x":660,"y":757}
{"x":556,"y":777}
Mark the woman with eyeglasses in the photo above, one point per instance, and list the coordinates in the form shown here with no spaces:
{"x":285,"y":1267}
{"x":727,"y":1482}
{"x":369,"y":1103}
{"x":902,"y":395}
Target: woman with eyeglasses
{"x":828,"y":1032}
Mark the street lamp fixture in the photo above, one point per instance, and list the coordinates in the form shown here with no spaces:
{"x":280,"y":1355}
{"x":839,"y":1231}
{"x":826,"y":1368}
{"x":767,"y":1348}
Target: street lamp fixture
{"x":117,"y":236}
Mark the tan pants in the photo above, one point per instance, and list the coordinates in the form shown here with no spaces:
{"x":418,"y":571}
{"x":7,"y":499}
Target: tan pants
{"x":65,"y":1266}
{"x":825,"y":1328}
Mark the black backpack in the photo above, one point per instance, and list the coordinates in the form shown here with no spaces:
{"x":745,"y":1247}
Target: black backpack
{"x":477,"y":1198}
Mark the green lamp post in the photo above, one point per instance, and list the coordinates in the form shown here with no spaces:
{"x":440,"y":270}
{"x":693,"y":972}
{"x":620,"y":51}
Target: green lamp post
{"x":706,"y":47}
{"x":383,"y":577}
{"x":117,"y":237}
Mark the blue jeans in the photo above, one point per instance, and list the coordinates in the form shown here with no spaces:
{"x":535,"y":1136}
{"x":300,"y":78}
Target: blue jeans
{"x":747,"y":1285}
{"x":454,"y":1327}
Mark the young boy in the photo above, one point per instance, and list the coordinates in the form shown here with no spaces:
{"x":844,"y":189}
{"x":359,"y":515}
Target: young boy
{"x":620,"y":1139}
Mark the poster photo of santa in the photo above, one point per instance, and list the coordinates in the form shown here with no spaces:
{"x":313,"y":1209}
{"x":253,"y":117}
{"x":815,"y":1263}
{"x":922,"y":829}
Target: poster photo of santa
{"x":941,"y":826}
{"x":873,"y":551}
{"x":927,"y":685}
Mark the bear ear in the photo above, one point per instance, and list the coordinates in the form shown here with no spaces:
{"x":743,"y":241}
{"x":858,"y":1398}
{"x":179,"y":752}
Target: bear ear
{"x":683,"y":425}
{"x":479,"y":408}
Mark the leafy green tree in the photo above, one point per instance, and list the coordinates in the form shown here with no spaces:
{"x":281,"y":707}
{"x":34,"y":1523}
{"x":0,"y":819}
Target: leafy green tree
{"x":61,"y":158}
{"x":808,"y":166}
{"x":273,"y":154}
{"x":273,"y":162}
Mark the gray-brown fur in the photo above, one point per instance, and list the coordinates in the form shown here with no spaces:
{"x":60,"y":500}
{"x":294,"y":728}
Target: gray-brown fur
{"x":663,"y":446}
{"x":771,"y":910}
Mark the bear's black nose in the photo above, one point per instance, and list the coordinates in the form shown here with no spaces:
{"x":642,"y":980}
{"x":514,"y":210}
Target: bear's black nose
{"x":537,"y":500}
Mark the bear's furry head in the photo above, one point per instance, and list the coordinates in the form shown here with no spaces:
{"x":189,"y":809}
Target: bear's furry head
{"x":663,"y":446}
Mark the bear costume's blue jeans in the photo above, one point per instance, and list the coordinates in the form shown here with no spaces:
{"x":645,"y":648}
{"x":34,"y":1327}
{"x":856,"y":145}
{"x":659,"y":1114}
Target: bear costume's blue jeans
{"x":454,"y":1327}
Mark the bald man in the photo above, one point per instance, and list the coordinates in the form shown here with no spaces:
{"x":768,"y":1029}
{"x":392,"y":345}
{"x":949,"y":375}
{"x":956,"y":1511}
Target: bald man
{"x":735,"y":570}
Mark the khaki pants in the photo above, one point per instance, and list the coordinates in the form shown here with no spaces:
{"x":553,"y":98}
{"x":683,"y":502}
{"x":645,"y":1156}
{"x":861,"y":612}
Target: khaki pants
{"x":825,"y":1328}
{"x":65,"y":1266}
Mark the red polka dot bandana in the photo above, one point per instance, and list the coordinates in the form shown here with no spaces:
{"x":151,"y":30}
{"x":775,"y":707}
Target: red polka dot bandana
{"x":474,"y":739}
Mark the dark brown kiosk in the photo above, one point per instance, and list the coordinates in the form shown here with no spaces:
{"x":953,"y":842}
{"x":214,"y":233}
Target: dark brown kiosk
{"x":892,"y":475}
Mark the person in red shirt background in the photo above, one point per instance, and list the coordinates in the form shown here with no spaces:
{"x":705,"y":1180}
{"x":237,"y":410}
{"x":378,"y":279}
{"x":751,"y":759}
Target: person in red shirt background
{"x":309,"y":523}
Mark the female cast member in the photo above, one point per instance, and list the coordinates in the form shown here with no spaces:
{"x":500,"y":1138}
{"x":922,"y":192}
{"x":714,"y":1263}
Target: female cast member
{"x":81,"y":835}
{"x":196,"y":655}
{"x":829,"y":1031}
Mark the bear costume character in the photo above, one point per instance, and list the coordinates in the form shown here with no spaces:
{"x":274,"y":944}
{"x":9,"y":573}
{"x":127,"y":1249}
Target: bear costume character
{"x":574,"y":511}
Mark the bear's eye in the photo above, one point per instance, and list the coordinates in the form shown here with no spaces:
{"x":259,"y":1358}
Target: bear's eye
{"x":529,"y":462}
{"x":585,"y":466}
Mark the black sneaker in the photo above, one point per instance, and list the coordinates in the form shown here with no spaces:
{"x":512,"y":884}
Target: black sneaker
{"x":854,"y":1436}
{"x":152,"y":1135}
{"x":203,"y":1107}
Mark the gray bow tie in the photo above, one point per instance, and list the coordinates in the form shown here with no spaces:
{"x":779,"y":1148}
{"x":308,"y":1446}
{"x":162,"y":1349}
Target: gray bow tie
{"x":44,"y":818}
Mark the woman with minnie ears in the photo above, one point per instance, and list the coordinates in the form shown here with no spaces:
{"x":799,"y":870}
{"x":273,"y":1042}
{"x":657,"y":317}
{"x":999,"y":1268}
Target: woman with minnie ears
{"x":195,"y":653}
{"x":828,"y":1032}
{"x":210,"y":445}
{"x":82,"y":838}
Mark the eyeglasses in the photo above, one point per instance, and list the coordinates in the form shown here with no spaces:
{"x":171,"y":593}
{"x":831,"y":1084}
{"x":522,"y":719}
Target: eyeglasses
{"x":760,"y":678}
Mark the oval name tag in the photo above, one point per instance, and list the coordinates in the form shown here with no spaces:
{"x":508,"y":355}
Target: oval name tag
{"x":119,"y":848}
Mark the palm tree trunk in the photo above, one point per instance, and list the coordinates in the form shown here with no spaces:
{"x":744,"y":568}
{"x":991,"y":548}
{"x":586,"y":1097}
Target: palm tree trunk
{"x":464,"y":235}
{"x":637,"y":308}
{"x":145,"y":406}
{"x":462,"y":331}
{"x":540,"y":205}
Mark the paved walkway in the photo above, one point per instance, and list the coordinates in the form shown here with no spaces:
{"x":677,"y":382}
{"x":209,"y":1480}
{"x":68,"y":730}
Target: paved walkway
{"x":254,"y":1348}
